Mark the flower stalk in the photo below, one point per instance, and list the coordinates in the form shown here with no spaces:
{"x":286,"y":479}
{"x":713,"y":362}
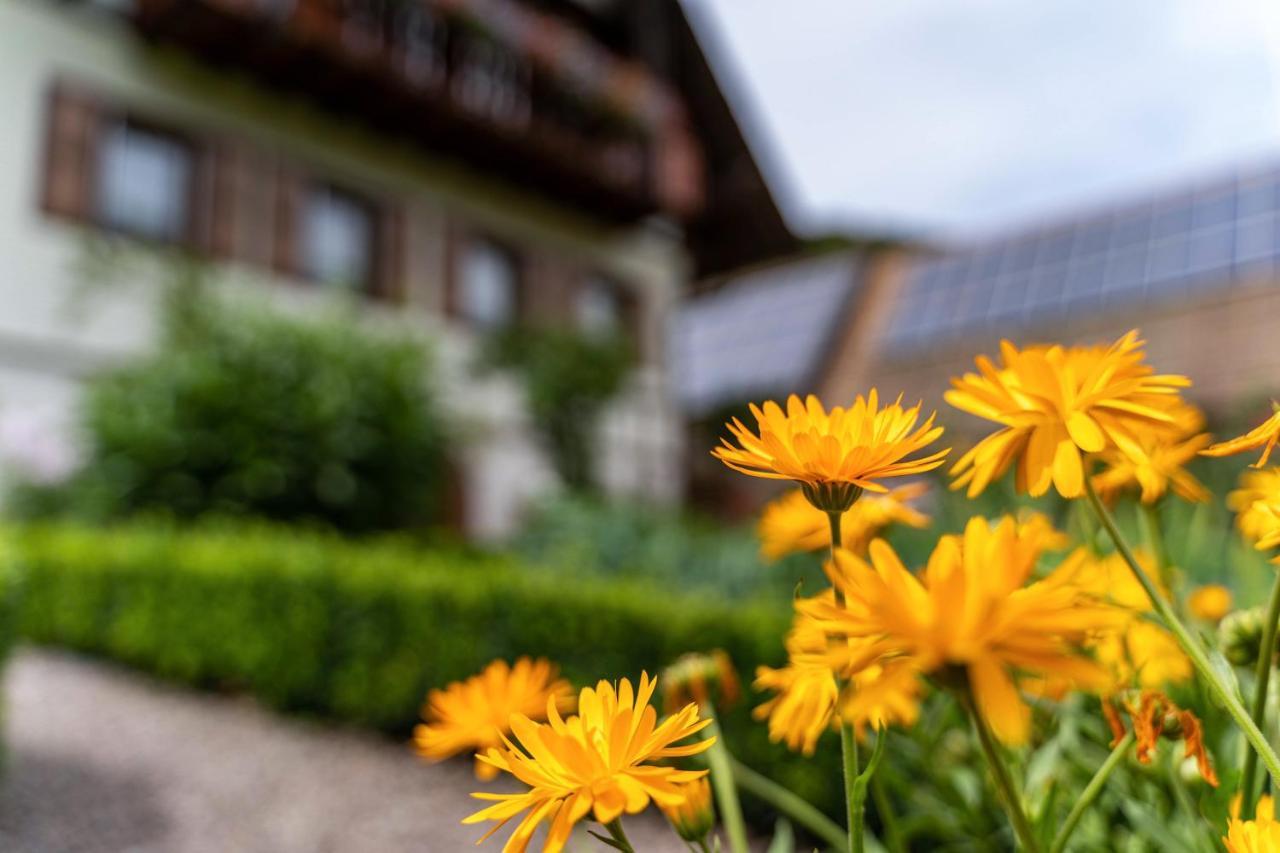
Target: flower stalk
{"x":1261,"y":683}
{"x":1091,"y":792}
{"x":619,"y":836}
{"x":1000,"y":774}
{"x":722,"y":780}
{"x":1221,"y":692}
{"x":855,"y":795}
{"x":795,"y":807}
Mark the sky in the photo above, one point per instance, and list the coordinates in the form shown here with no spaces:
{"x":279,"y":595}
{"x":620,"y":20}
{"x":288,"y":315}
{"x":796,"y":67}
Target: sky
{"x":962,"y":117}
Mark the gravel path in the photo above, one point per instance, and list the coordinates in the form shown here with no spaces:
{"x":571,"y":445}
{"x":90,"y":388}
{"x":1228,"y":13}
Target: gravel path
{"x":105,"y":760}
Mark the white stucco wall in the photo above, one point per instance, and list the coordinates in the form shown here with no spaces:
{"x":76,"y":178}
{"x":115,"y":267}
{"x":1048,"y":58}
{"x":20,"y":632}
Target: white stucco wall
{"x":52,"y":334}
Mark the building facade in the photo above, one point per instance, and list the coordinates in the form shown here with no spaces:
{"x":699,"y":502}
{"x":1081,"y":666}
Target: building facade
{"x":452,"y":166}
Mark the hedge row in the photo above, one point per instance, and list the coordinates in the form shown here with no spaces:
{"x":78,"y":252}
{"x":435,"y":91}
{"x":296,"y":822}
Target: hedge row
{"x":360,"y":631}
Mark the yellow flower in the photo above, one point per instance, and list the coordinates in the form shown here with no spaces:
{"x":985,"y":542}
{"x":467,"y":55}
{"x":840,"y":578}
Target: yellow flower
{"x":1210,"y":602}
{"x":1053,"y":404}
{"x":836,"y":455}
{"x":1136,"y":650}
{"x":1160,"y":466}
{"x":1264,"y":435}
{"x":595,"y":763}
{"x":1257,"y":507}
{"x":808,"y":695}
{"x":970,"y":613}
{"x":790,"y":523}
{"x":473,"y":715}
{"x":1260,"y":835}
{"x":696,"y":816}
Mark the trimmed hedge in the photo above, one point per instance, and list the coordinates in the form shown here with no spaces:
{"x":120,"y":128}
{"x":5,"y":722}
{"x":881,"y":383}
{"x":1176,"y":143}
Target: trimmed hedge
{"x":359,"y":631}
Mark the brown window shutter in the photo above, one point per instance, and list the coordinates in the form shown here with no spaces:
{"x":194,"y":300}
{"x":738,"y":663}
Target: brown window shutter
{"x":70,"y":165}
{"x":290,"y":189}
{"x":216,"y":213}
{"x":389,"y":266}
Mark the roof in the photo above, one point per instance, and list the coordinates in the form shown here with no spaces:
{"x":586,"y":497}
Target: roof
{"x":1215,"y":235}
{"x":764,"y":333}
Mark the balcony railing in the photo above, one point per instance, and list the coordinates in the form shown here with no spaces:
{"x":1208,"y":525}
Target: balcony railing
{"x":513,"y":91}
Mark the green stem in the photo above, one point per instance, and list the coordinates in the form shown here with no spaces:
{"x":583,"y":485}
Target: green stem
{"x":854,"y":804}
{"x":793,"y":806}
{"x":1155,"y":536}
{"x":1199,"y":658}
{"x":1261,"y":681}
{"x":888,"y":818}
{"x":1091,"y":792}
{"x":1000,"y":774}
{"x":721,"y":763}
{"x":619,"y":835}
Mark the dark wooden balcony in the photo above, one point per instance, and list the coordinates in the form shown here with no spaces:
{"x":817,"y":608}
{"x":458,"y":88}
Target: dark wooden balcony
{"x":510,"y":92}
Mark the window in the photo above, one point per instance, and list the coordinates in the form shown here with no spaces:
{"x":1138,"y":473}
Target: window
{"x":598,"y":310}
{"x":488,"y":285}
{"x":144,"y":183}
{"x":337,"y":238}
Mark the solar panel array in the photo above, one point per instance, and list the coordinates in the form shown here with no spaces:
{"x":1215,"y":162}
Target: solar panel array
{"x":761,"y":334}
{"x":1213,"y":236}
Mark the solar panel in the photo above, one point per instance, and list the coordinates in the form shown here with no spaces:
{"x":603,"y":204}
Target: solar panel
{"x":1206,"y":237}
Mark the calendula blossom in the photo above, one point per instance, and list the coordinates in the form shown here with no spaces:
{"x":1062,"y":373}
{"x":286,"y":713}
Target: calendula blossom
{"x":1136,"y":650}
{"x":792,"y":524}
{"x":970,"y":613}
{"x":1210,"y":602}
{"x":1260,"y":835}
{"x":1264,"y":435}
{"x":833,"y":455}
{"x":1160,"y":466}
{"x":1257,"y":507}
{"x":473,"y":715}
{"x":598,"y":763}
{"x":808,"y":699}
{"x":1054,"y":405}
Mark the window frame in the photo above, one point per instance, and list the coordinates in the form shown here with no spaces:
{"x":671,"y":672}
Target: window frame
{"x":187,"y":234}
{"x":457,"y":280}
{"x":370,"y":287}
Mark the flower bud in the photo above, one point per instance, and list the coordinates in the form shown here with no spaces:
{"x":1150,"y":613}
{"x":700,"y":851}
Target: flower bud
{"x":1240,"y":636}
{"x":701,"y":679}
{"x":694,"y":818}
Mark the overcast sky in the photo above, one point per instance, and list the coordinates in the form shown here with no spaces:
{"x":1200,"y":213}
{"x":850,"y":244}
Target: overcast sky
{"x":962,"y":116}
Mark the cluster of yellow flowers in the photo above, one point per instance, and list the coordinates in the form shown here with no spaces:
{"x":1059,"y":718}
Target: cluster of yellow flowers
{"x":988,"y":618}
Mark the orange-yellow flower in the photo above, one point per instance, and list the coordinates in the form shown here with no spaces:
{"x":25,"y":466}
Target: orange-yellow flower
{"x":808,"y":700}
{"x":596,"y":763}
{"x":1136,"y":650}
{"x":1161,"y":465}
{"x":1260,"y":835}
{"x":1210,"y":602}
{"x":1264,"y":435}
{"x":970,"y":611}
{"x":473,"y":715}
{"x":791,"y":523}
{"x":854,"y":447}
{"x":1054,"y":404}
{"x":1257,"y":507}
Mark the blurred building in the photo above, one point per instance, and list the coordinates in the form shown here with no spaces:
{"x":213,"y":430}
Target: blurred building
{"x":1196,"y":269}
{"x":458,"y":164}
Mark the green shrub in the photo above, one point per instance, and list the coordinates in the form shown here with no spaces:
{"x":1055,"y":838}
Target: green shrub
{"x":247,"y":410}
{"x":312,"y":623}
